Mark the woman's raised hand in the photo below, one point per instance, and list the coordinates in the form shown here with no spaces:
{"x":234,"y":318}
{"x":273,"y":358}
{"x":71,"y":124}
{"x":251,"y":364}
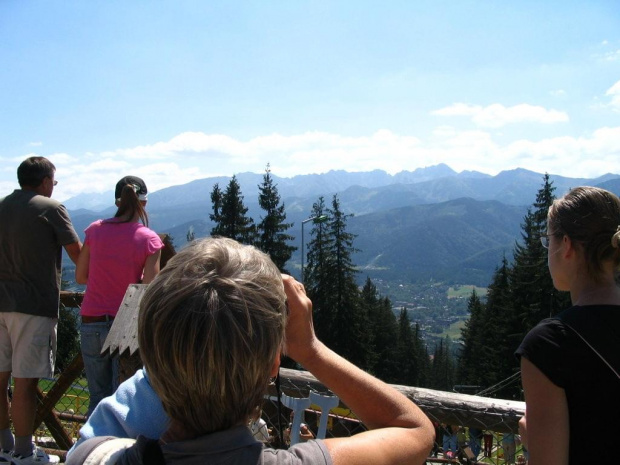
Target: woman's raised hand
{"x":300,"y":339}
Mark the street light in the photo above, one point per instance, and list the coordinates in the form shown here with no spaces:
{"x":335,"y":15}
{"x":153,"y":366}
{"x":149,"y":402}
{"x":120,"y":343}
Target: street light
{"x":314,"y":219}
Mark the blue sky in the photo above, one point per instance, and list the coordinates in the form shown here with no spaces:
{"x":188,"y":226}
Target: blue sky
{"x":178,"y":90}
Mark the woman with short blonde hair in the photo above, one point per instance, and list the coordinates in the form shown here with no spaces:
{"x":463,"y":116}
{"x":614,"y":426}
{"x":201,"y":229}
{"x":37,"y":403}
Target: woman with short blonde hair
{"x":211,"y":329}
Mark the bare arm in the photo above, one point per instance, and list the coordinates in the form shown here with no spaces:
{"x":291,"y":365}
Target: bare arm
{"x":82,"y":264}
{"x":73,"y":250}
{"x":547,"y":417}
{"x":523,"y":430}
{"x":151,"y":267}
{"x":400,"y":432}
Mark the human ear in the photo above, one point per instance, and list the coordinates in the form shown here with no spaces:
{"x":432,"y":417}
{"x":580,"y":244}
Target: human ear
{"x":276,"y":365}
{"x":568,"y":246}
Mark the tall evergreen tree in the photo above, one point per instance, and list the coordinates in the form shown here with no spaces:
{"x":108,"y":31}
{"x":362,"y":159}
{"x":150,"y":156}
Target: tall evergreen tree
{"x":340,"y":319}
{"x":317,"y":281}
{"x":191,"y":235}
{"x":411,"y":357}
{"x":216,"y":205}
{"x":422,"y":358}
{"x":272,"y":236}
{"x":230,"y":214}
{"x":489,"y":335}
{"x":468,"y":371}
{"x":370,"y":301}
{"x":518,"y":298}
{"x":501,"y":334}
{"x":351,"y":321}
{"x":383,"y":333}
{"x":442,"y":368}
{"x":534,"y":297}
{"x":406,"y":356}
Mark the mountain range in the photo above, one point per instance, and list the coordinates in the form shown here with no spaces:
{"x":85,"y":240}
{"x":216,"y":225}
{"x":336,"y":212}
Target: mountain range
{"x":431,"y":223}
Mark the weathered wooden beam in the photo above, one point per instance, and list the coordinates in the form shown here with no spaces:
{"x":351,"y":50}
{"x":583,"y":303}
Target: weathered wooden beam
{"x":72,"y":417}
{"x":445,"y":407}
{"x":123,"y":335}
{"x":60,"y":387}
{"x":54,"y":426}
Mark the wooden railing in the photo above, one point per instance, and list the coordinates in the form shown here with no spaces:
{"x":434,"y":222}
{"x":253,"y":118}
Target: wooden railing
{"x":496,"y":415}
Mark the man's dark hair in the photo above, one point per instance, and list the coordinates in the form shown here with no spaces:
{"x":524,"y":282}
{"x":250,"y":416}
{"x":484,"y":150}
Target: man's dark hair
{"x":34,"y":170}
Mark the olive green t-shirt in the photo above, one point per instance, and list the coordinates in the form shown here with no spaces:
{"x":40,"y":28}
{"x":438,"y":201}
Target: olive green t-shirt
{"x":33,"y":229}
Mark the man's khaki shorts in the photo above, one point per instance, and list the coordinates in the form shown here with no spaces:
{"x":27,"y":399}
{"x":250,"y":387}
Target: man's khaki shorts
{"x":27,"y":345}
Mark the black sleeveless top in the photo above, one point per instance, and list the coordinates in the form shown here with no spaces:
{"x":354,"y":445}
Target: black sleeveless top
{"x":592,"y":389}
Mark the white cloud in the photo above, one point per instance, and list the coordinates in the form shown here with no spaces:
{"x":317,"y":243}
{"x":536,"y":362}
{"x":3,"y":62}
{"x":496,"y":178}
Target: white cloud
{"x":6,"y":187}
{"x":195,"y":155}
{"x":558,"y":93}
{"x":606,"y":52}
{"x":63,"y":158}
{"x":458,"y":109}
{"x":307,"y":152}
{"x":614,"y":93}
{"x":497,"y":115}
{"x":613,"y":55}
{"x":569,"y":156}
{"x":191,"y":156}
{"x":18,"y":159}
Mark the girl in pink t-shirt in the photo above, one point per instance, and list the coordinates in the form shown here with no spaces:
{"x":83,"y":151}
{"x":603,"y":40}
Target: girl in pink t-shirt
{"x":117,"y":252}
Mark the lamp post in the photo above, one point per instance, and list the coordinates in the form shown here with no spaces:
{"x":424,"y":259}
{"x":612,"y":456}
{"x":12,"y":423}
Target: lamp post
{"x":314,"y":219}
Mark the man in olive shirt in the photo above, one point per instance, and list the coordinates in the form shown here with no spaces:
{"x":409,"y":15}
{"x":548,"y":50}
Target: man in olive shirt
{"x":33,"y":230}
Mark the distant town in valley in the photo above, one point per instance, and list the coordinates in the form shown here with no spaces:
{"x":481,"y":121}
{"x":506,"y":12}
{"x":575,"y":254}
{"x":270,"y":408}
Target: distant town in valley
{"x":425,"y":238}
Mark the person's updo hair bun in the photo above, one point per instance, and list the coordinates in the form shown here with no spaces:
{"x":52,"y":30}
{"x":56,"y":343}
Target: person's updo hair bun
{"x":130,"y":193}
{"x":615,"y":239}
{"x":590,"y":216}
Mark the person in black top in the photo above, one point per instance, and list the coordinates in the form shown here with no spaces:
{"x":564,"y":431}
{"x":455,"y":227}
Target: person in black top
{"x":570,"y":363}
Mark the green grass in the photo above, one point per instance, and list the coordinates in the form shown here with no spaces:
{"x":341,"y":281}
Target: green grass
{"x":454,"y":331}
{"x":76,"y":398}
{"x":464,"y":291}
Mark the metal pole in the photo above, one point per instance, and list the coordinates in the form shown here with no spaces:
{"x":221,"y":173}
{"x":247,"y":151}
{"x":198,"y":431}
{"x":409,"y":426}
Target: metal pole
{"x":302,"y":250}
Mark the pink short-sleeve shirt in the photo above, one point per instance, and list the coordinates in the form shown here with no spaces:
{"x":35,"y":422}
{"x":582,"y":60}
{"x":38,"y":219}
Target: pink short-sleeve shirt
{"x":118,"y":252}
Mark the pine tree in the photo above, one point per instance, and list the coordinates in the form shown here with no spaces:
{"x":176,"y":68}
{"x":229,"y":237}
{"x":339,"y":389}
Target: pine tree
{"x":317,"y":281}
{"x":191,"y":235}
{"x":406,"y":357}
{"x":272,"y":237}
{"x":442,"y":368}
{"x":383,"y":331}
{"x":229,"y":214}
{"x":412,"y":363}
{"x":422,"y":358}
{"x":351,"y":321}
{"x":517,"y":299}
{"x":501,"y":334}
{"x":488,"y":336}
{"x":340,"y":319}
{"x":534,"y":297}
{"x":216,"y":205}
{"x":468,"y":371}
{"x":370,"y":301}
